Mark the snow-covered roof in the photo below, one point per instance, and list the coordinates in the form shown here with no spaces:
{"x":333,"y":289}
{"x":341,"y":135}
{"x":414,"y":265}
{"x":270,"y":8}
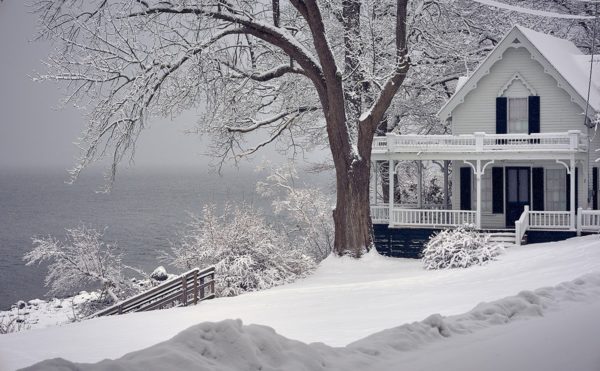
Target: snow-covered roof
{"x":560,"y":57}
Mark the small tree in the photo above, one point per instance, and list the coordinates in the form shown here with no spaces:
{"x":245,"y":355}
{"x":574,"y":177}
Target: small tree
{"x":83,"y":260}
{"x":248,"y":254}
{"x":308,"y":210}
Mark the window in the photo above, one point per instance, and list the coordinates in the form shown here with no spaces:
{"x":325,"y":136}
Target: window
{"x":518,"y":118}
{"x":556,"y":195}
{"x":486,"y":192}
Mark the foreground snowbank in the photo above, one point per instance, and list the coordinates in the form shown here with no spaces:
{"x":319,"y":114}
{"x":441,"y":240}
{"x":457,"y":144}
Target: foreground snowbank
{"x":229,"y":345}
{"x":344,"y":300}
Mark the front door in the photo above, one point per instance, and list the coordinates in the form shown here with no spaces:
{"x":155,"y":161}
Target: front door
{"x":517,"y":193}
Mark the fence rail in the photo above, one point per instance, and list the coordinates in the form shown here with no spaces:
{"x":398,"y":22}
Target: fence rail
{"x":190,"y":288}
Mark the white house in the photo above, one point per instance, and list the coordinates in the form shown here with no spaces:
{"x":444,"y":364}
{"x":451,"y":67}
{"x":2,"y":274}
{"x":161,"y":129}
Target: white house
{"x":522,"y":149}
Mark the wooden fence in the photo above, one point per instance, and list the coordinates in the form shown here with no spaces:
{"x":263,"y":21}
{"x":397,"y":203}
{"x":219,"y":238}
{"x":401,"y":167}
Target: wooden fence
{"x":189,"y":288}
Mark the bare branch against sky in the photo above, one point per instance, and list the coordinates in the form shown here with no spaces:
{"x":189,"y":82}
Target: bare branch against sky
{"x":35,"y":134}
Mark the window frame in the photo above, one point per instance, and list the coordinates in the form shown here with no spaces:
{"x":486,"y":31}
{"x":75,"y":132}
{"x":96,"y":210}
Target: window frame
{"x":508,"y":115}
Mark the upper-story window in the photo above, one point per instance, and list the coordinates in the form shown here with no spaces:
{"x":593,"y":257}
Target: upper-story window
{"x":518,"y":116}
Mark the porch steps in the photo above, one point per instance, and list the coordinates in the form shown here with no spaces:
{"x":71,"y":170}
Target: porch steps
{"x":503,"y":237}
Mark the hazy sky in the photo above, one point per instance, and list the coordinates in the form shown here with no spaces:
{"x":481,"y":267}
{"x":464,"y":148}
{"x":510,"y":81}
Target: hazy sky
{"x":33,"y":133}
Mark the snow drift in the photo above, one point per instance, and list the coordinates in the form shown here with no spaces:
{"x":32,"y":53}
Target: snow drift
{"x":230,"y":345}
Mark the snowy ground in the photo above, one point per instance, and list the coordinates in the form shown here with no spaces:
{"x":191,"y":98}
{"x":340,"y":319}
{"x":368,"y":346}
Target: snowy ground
{"x":342,"y":302}
{"x":493,"y":336}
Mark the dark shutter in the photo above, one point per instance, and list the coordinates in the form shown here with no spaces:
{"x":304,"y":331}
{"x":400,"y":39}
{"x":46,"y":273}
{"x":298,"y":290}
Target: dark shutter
{"x":595,"y":188}
{"x":501,"y":115}
{"x":497,"y":190}
{"x":576,"y":189}
{"x":534,"y":114}
{"x":537,"y":180}
{"x":465,"y":188}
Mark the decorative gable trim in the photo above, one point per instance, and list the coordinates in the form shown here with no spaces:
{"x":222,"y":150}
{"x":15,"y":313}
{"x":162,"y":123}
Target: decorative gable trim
{"x":495,"y":55}
{"x":517,"y":76}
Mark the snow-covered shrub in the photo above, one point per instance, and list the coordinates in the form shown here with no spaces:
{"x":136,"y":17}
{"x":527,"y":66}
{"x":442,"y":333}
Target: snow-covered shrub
{"x":248,"y":254}
{"x":459,"y":248}
{"x":10,"y":323}
{"x":83,"y":261}
{"x":307,"y":210}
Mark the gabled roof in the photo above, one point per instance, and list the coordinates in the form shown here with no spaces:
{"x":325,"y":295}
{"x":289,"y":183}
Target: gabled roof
{"x":559,"y":57}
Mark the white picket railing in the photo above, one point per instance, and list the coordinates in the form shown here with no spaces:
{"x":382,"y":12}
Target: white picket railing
{"x":432,"y":218}
{"x":559,"y":220}
{"x":380,"y":214}
{"x":573,"y":140}
{"x":541,"y":220}
{"x":588,"y":220}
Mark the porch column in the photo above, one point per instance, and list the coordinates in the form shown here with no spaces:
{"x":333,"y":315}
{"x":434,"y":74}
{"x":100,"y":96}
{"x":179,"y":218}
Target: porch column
{"x":446,"y":189}
{"x":572,"y":192}
{"x":478,"y":173}
{"x":391,"y":172}
{"x":419,"y":184}
{"x":587,"y":182}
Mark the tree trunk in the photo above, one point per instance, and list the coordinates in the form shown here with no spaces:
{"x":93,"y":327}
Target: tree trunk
{"x":352,"y":215}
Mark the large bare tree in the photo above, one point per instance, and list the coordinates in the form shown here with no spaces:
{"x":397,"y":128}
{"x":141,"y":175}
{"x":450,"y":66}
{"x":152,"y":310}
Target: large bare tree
{"x":300,"y":69}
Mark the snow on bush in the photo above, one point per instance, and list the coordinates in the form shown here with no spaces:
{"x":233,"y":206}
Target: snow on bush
{"x":248,"y":254}
{"x":459,"y":248}
{"x":306,"y":209}
{"x":83,"y":261}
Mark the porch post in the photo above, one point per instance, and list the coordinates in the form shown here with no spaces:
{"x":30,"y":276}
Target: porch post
{"x":478,"y":184}
{"x":572,"y":193}
{"x":586,"y":182}
{"x":419,"y":184}
{"x":446,"y":190}
{"x":391,"y":172}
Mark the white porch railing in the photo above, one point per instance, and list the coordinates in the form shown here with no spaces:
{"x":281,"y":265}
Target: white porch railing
{"x":559,"y":220}
{"x":572,"y":140}
{"x":380,"y":214}
{"x":541,"y":220}
{"x":432,"y":218}
{"x":588,"y":220}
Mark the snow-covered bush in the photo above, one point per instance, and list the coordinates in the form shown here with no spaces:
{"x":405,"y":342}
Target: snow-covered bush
{"x":83,"y":261}
{"x":10,"y":323}
{"x":248,"y":254}
{"x":459,"y":248}
{"x":307,"y":210}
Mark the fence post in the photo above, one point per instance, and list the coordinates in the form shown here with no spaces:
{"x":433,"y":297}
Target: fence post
{"x":184,"y":291}
{"x":579,"y":220}
{"x":195,"y":287}
{"x":202,"y":294}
